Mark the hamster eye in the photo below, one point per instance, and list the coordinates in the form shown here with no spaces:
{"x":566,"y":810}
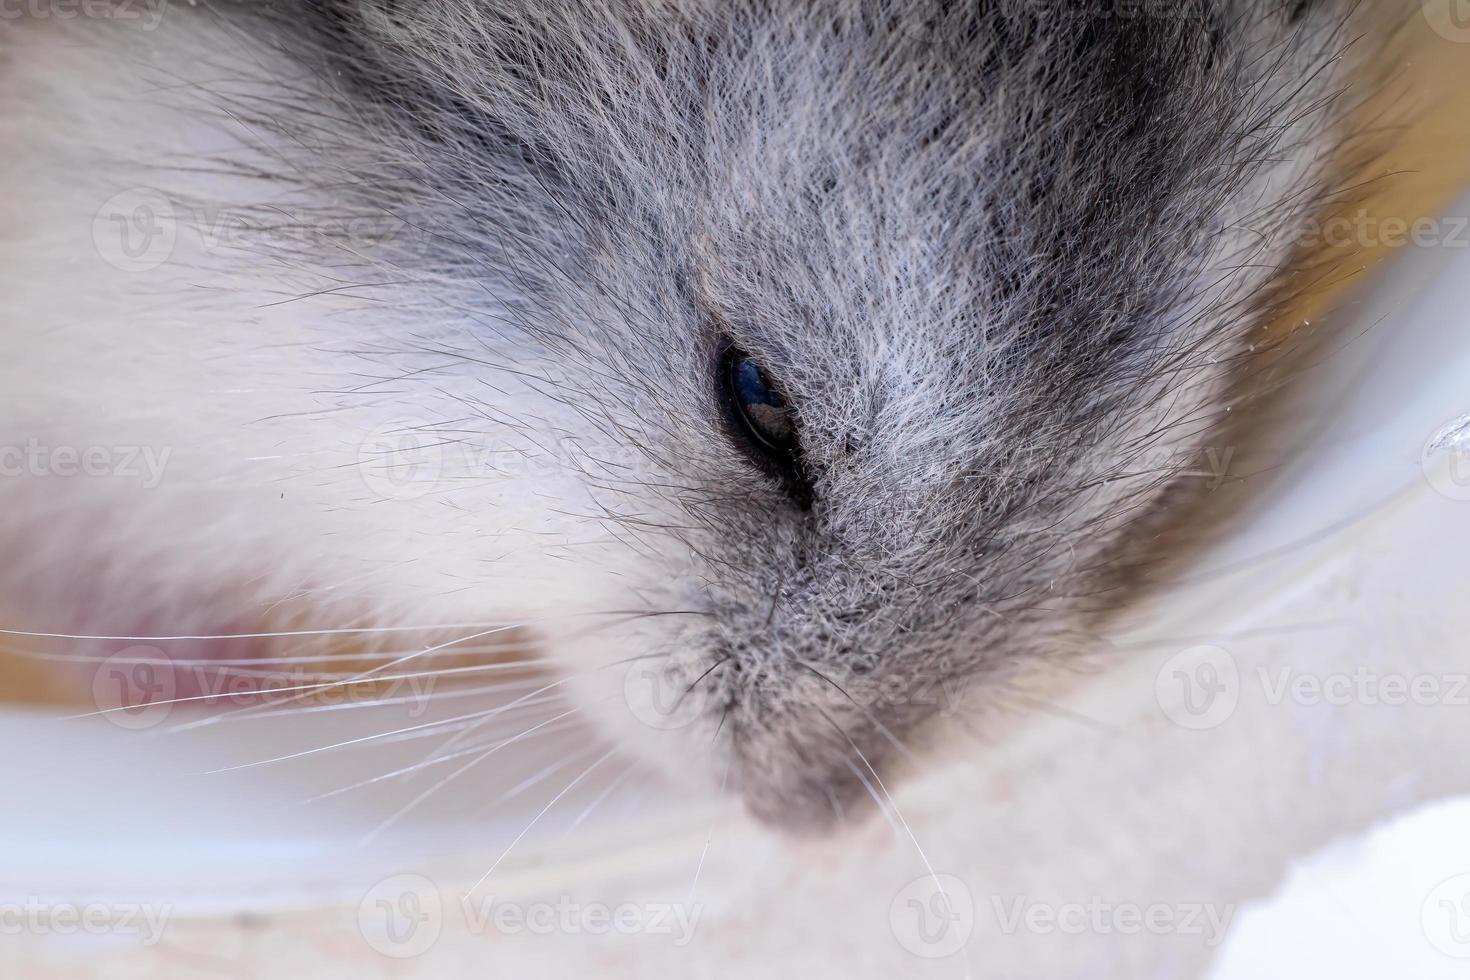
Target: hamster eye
{"x":761,"y":420}
{"x":761,"y":408}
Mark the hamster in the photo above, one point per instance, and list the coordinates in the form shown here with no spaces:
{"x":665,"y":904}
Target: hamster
{"x":771,"y":364}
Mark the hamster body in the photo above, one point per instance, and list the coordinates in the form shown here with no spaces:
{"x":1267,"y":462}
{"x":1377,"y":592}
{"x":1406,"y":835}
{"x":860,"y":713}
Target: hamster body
{"x":821,"y":355}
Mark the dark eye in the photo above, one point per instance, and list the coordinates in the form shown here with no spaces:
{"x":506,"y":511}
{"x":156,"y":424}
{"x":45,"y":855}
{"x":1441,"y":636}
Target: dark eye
{"x":760,"y":417}
{"x":761,"y":408}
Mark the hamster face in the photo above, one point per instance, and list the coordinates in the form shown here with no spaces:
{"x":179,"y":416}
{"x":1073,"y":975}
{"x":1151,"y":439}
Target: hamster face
{"x":875,"y":327}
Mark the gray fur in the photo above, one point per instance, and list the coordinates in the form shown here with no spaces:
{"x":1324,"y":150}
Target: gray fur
{"x":994,"y":253}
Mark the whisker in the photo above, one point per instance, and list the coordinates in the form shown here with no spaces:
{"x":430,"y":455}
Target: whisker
{"x":370,"y":738}
{"x":415,"y":728}
{"x":293,"y":712}
{"x":223,"y":662}
{"x":403,"y":771}
{"x":534,"y":820}
{"x":412,"y":804}
{"x":704,"y":852}
{"x":323,"y":686}
{"x":347,"y":630}
{"x":897,"y":743}
{"x":606,"y":792}
{"x":454,"y":725}
{"x":533,"y":780}
{"x":896,"y":811}
{"x":454,"y":741}
{"x":882,"y":807}
{"x":275,"y":634}
{"x":370,"y":675}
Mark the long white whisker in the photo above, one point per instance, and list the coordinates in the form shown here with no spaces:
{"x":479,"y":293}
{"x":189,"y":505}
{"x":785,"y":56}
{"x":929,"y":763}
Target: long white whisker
{"x":451,"y":743}
{"x":368,"y":675}
{"x":307,"y":658}
{"x":534,"y":779}
{"x":606,"y":792}
{"x":876,"y":722}
{"x":408,"y":807}
{"x":891,"y":802}
{"x":400,"y":731}
{"x":274,"y":634}
{"x":345,"y":630}
{"x":355,"y":741}
{"x":455,"y":725}
{"x":534,"y":820}
{"x":709,"y":838}
{"x":882,"y":807}
{"x":404,"y":771}
{"x":322,"y":686}
{"x":293,"y":712}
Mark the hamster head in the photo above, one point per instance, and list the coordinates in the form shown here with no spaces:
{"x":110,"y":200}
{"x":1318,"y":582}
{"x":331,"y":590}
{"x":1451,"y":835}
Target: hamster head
{"x":877,"y":325}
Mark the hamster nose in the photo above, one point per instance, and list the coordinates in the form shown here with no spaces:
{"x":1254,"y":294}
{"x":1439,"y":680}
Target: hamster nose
{"x":806,"y":782}
{"x":806,"y":803}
